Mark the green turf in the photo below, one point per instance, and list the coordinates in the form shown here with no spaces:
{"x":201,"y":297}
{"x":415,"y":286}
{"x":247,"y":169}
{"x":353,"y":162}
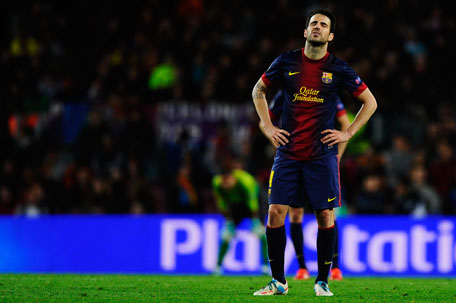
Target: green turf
{"x":134,"y":288}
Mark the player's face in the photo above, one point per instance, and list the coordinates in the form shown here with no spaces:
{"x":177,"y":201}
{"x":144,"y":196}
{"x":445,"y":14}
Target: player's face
{"x":319,"y":30}
{"x":228,"y":181}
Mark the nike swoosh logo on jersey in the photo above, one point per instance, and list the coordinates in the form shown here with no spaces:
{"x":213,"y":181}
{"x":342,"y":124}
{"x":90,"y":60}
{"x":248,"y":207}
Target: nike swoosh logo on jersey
{"x":329,"y":200}
{"x":328,"y":262}
{"x":291,"y":74}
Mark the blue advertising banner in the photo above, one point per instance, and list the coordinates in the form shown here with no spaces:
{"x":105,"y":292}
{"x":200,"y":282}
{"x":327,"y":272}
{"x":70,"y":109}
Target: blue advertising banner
{"x":188,"y":244}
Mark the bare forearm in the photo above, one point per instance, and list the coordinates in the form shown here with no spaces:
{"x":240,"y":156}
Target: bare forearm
{"x":364,"y":114}
{"x":332,"y":136}
{"x":261,"y":105}
{"x":344,"y":124}
{"x":274,"y":134}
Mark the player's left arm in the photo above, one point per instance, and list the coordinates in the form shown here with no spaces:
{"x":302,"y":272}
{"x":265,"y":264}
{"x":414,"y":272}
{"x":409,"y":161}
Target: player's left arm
{"x":367,"y":110}
{"x":344,"y":124}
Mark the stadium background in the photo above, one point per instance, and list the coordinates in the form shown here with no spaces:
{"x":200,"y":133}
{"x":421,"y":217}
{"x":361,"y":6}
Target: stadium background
{"x":114,"y":108}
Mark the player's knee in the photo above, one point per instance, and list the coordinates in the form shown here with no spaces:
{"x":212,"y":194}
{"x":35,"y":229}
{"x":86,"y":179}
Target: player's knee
{"x":296,"y":215}
{"x":325,"y":218}
{"x":277,"y":214}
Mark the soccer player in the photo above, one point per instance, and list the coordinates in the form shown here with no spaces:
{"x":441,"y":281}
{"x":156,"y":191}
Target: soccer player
{"x":306,"y":159}
{"x":236,"y":193}
{"x":297,"y":213}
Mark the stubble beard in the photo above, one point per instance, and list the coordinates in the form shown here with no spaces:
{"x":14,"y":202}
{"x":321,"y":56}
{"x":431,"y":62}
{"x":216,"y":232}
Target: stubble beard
{"x":314,"y":43}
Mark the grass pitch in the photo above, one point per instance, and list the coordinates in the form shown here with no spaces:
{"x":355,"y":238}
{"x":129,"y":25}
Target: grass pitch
{"x":143,"y":288}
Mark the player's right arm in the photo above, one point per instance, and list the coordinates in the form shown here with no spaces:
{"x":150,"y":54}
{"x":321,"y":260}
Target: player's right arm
{"x":275,"y":110}
{"x":276,"y":135}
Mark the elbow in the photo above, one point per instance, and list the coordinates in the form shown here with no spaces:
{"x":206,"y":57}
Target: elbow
{"x":253,"y":97}
{"x":374,"y":105}
{"x":254,"y":92}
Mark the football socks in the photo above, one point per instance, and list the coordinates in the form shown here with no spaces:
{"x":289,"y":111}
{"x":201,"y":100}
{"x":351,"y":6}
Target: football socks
{"x":335,"y":263}
{"x":297,"y":238}
{"x":325,"y":249}
{"x":277,"y":241}
{"x":264,"y":249}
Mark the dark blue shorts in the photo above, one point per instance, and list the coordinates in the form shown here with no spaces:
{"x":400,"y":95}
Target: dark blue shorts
{"x":295,"y":182}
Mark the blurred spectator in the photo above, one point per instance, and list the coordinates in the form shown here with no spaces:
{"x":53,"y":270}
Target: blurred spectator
{"x":90,"y":140}
{"x":372,"y":198}
{"x":429,"y":201}
{"x":99,"y":200}
{"x":443,"y":173}
{"x":33,"y":203}
{"x":398,"y":159}
{"x":187,"y":197}
{"x":6,"y":201}
{"x":404,"y":201}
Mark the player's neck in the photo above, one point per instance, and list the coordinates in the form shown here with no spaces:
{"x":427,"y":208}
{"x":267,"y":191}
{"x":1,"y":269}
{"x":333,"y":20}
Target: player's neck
{"x":315,"y":52}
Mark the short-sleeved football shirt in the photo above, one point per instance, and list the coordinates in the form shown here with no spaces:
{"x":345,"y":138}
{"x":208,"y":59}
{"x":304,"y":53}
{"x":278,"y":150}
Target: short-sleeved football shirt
{"x":311,"y":89}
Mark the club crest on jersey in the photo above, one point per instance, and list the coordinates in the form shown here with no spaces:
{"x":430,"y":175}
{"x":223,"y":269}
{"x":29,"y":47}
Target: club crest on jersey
{"x":327,"y":77}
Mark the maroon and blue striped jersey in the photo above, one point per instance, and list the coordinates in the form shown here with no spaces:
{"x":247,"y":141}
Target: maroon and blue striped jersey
{"x":276,"y":107}
{"x":311,"y":89}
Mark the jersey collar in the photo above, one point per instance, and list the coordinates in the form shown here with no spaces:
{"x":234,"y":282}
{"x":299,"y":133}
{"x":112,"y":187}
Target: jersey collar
{"x":306,"y":59}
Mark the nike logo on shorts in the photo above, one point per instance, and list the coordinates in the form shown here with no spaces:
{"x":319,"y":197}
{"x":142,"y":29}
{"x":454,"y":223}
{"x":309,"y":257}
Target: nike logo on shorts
{"x":329,"y":200}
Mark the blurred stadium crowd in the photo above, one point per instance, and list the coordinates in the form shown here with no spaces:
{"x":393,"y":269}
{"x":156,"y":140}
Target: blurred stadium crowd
{"x":81,"y":84}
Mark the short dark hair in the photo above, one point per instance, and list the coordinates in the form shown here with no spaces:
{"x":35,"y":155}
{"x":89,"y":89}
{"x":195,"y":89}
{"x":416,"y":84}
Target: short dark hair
{"x":325,"y":12}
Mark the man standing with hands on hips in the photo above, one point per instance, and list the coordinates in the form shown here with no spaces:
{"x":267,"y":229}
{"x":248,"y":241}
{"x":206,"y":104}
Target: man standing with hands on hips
{"x":306,"y":161}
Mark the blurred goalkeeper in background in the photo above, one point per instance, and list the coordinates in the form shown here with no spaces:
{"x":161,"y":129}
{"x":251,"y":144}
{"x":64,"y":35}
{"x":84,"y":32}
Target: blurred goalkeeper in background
{"x":236,"y":193}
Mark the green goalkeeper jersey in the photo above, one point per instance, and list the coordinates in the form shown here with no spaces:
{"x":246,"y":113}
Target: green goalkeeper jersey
{"x":245,"y":191}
